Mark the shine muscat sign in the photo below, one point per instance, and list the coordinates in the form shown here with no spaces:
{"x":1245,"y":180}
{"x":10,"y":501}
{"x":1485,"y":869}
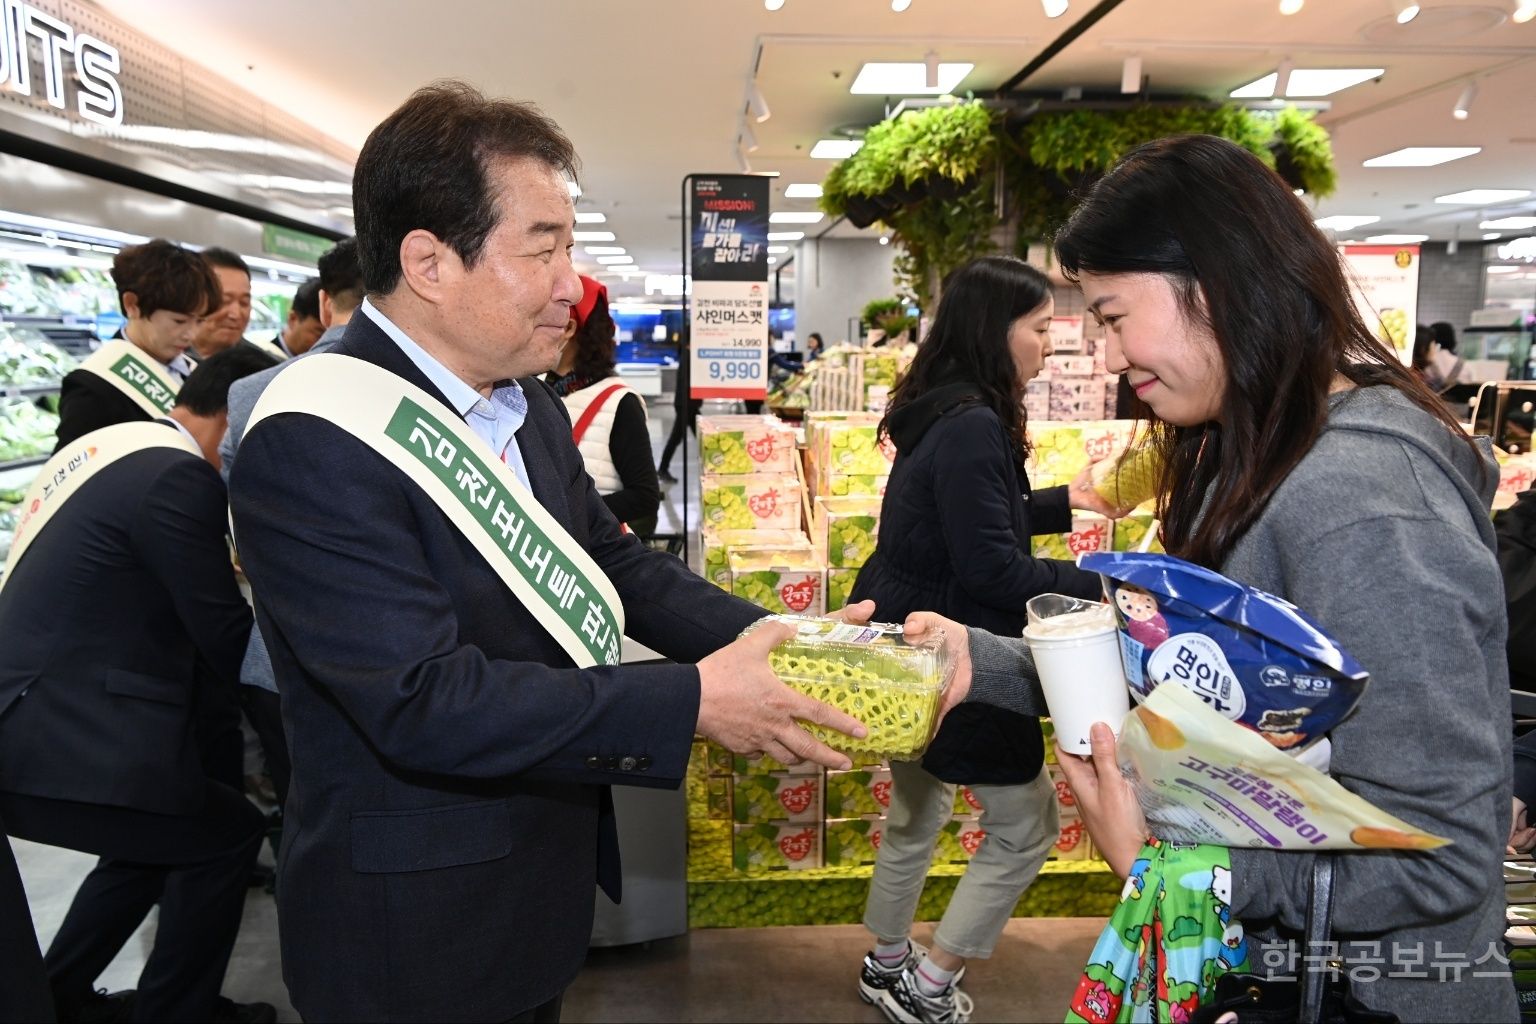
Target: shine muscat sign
{"x":98,"y":94}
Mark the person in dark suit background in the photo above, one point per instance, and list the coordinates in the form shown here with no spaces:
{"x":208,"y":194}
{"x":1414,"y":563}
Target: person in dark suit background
{"x":164,"y":291}
{"x":117,"y":597}
{"x":449,"y":812}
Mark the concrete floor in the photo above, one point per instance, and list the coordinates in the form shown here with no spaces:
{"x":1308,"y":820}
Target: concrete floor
{"x":750,"y":974}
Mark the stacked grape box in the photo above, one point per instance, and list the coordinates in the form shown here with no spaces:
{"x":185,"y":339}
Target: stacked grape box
{"x":849,"y":466}
{"x":1058,"y":453}
{"x":752,"y":510}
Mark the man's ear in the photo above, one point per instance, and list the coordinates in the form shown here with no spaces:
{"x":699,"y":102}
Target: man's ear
{"x":130,"y":302}
{"x":428,"y":266}
{"x":327,"y":312}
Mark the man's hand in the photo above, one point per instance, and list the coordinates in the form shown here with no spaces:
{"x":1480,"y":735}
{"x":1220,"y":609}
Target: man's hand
{"x":919,"y":626}
{"x":744,"y":707}
{"x":1522,"y":836}
{"x":1105,"y":800}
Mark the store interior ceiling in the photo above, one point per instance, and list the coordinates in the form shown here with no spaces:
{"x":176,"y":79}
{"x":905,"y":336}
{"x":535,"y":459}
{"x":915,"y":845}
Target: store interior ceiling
{"x":651,"y":91}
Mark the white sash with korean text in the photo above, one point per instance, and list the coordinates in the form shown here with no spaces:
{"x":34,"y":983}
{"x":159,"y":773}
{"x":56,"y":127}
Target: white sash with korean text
{"x":73,"y":465}
{"x":145,"y":380}
{"x":271,"y":348}
{"x":542,"y":564}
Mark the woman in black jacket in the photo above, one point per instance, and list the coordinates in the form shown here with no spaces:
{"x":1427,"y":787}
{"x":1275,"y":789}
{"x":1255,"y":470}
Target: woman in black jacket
{"x":955,"y":534}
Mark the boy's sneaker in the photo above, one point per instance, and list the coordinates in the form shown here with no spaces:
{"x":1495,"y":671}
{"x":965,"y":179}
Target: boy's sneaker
{"x":904,"y":1003}
{"x":875,"y":977}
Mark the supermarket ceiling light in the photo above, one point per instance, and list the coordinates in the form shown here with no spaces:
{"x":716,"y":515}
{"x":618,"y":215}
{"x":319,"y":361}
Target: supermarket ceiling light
{"x":1054,"y":8}
{"x":1307,"y":83}
{"x":574,"y":189}
{"x":1345,"y":222}
{"x":1463,"y":108}
{"x":1509,"y":224}
{"x":785,"y":236}
{"x":900,"y":5}
{"x":773,"y":5}
{"x":1291,"y":6}
{"x":1482,"y":196}
{"x":1397,"y":239}
{"x":1407,"y":10}
{"x":605,"y":250}
{"x":609,"y":261}
{"x":593,"y":236}
{"x":591,"y":218}
{"x":1519,"y":249}
{"x":793,"y":217}
{"x":836,"y":149}
{"x":774,"y":250}
{"x":1503,"y":270}
{"x":1525,"y":10}
{"x":1423,"y":156}
{"x":799,"y":191}
{"x":756,"y":104}
{"x":907,"y":78}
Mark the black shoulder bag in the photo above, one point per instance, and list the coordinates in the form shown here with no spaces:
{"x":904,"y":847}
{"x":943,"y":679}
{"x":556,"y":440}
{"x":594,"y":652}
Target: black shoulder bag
{"x":1323,"y":995}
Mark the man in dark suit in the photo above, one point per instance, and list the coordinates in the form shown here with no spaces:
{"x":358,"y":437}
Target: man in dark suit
{"x":449,"y":809}
{"x":104,"y":617}
{"x":164,"y":291}
{"x":24,"y":996}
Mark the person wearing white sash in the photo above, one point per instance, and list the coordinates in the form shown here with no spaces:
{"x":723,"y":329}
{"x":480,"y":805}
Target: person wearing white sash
{"x":164,"y":290}
{"x":443,"y":594}
{"x":117,"y":583}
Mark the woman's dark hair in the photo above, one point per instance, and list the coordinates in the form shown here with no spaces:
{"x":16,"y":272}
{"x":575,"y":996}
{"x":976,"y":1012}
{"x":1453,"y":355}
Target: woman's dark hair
{"x":1445,"y":335}
{"x":594,"y":343}
{"x":1245,"y":259}
{"x":968,"y":341}
{"x":163,"y":275}
{"x":1423,"y":337}
{"x":426,"y":166}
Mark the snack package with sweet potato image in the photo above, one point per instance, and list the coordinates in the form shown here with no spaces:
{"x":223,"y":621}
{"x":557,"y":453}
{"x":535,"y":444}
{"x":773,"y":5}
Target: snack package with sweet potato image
{"x":1202,"y":778}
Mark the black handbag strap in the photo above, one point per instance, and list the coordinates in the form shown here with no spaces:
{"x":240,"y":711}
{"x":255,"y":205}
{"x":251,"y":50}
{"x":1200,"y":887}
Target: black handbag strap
{"x":1314,"y":977}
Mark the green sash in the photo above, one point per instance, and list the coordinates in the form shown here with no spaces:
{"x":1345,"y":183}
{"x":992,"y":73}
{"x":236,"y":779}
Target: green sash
{"x":542,"y":564}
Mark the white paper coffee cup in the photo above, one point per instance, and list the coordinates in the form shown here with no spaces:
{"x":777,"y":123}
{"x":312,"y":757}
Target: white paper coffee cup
{"x":1077,"y":656}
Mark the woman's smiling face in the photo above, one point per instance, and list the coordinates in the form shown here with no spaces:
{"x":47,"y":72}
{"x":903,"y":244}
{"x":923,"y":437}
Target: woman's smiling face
{"x":1171,"y":360}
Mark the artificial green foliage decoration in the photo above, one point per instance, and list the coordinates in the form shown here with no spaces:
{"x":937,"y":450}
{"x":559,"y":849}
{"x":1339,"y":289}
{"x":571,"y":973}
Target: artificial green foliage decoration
{"x":930,"y":175}
{"x":878,"y":309}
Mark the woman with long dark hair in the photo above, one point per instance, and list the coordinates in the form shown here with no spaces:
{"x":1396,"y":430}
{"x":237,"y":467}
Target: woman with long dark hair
{"x":1303,"y":458}
{"x":955,"y":534}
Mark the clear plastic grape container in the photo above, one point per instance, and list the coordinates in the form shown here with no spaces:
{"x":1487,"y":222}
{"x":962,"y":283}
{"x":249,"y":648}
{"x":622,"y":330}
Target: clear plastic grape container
{"x":872,"y":673}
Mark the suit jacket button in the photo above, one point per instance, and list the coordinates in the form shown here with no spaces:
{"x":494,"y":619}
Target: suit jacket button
{"x":628,"y":764}
{"x":613,"y":764}
{"x":643,"y":764}
{"x":594,"y":762}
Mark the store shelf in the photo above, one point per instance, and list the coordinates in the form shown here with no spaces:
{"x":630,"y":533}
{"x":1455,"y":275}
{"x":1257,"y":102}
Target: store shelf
{"x":721,"y":898}
{"x":18,"y":473}
{"x":29,"y":390}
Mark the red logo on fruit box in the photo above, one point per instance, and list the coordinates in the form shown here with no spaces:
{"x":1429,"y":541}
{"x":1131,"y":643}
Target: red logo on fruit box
{"x":970,"y":797}
{"x":765,"y":504}
{"x":797,"y":597}
{"x":1082,"y":541}
{"x":875,"y":837}
{"x":882,"y":793}
{"x":1064,"y":794}
{"x":972,"y":840}
{"x":1515,"y":480}
{"x":1070,"y":836}
{"x":1099,"y":447}
{"x":761,"y":449}
{"x":798,"y":798}
{"x":799,"y":845}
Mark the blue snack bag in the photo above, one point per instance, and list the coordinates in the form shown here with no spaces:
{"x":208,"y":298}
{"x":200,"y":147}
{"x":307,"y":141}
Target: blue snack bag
{"x":1257,"y":659}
